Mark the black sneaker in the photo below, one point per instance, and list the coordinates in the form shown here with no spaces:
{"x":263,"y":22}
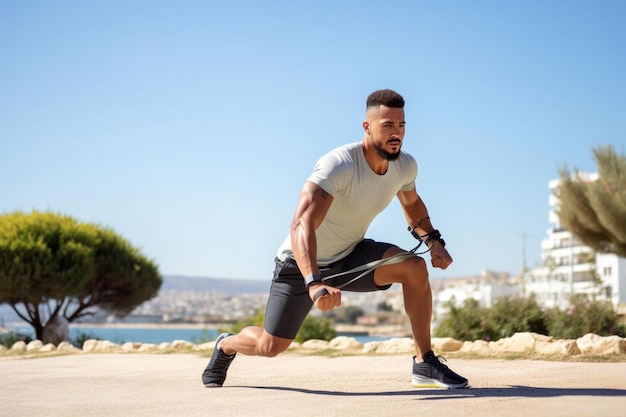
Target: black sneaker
{"x":433,"y":373}
{"x":214,"y":374}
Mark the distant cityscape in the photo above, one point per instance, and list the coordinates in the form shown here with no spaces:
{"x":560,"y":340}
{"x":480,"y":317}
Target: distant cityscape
{"x":195,"y":300}
{"x":216,"y":302}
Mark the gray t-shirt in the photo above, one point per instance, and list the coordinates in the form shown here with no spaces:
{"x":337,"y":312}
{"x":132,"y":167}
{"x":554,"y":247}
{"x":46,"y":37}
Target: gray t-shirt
{"x":359,"y":195}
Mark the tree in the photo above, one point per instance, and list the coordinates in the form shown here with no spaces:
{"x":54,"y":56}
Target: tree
{"x":595,"y":212}
{"x":55,"y":269}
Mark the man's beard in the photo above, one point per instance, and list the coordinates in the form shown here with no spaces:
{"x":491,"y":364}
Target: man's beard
{"x":384,"y":154}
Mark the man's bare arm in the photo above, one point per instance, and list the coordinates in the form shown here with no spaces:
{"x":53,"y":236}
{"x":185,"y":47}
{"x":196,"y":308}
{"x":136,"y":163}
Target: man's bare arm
{"x":418,"y":219}
{"x":313,"y":205}
{"x":312,"y":208}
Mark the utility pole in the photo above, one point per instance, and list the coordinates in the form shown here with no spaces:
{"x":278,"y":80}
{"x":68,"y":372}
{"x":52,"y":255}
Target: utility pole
{"x":523,"y":236}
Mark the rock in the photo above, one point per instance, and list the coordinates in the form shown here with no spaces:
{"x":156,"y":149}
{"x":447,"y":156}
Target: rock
{"x":394,"y":345}
{"x":18,"y":347}
{"x":400,"y":345}
{"x":446,"y":344}
{"x":345,"y":343}
{"x":130,"y":346}
{"x":557,"y":347}
{"x":315,"y":344}
{"x":148,"y":347}
{"x":205,"y":346}
{"x":106,"y":346}
{"x":182,"y":345}
{"x":372,"y":347}
{"x":34,"y":345}
{"x":67,"y":347}
{"x":519,"y":342}
{"x":601,"y":345}
{"x":93,"y":345}
{"x":477,"y":346}
{"x":89,"y":345}
{"x":48,"y":347}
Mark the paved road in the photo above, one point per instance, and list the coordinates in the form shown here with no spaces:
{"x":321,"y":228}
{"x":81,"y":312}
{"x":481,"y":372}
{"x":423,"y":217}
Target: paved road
{"x":294,"y":385}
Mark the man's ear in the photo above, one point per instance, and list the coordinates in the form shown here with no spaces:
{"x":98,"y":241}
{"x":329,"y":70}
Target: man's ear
{"x":366,"y":127}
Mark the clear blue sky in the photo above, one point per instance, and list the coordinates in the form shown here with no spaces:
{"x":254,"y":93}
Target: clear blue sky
{"x":189,"y":127}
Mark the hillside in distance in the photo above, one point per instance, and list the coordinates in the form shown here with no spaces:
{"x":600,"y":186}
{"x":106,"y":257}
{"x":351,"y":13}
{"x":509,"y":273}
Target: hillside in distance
{"x":222,"y":285}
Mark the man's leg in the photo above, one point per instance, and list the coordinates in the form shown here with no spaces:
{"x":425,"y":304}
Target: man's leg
{"x":412,"y":274}
{"x":254,"y":341}
{"x":428,"y":370}
{"x":287,"y":307}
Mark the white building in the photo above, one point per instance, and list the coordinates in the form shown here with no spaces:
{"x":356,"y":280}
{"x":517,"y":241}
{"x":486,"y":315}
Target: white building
{"x":485,"y":288}
{"x":570,"y":268}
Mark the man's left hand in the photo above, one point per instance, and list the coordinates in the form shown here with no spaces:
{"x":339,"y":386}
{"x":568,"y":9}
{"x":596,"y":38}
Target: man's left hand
{"x":439,"y":256}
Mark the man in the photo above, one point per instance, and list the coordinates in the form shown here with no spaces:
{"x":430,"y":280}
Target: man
{"x":347,"y":189}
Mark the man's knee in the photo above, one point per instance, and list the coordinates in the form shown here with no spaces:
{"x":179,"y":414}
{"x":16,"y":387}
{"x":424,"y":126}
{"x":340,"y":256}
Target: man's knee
{"x":419,"y":263}
{"x":417,"y":271}
{"x":271,"y":346}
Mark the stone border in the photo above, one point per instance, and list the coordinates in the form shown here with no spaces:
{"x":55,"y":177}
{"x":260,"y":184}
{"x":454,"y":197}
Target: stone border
{"x":532,"y":344}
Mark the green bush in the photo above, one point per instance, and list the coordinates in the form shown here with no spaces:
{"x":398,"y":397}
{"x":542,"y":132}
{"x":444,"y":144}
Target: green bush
{"x":345,"y":314}
{"x":512,"y":315}
{"x":79,"y":340}
{"x":468,"y":322}
{"x":584,"y":317}
{"x":256,"y":320}
{"x":316,"y":328}
{"x":8,"y":339}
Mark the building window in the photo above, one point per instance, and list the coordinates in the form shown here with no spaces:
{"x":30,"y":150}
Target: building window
{"x":606,"y":271}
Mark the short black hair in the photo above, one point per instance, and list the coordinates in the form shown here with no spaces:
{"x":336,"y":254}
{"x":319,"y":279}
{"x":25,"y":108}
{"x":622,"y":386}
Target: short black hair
{"x":385,"y":97}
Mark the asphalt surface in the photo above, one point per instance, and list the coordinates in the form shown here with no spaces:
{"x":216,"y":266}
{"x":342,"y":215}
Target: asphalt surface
{"x":294,"y":385}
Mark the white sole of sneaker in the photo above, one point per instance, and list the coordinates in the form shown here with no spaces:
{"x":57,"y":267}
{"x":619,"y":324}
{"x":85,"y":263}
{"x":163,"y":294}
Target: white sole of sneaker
{"x":418,"y":381}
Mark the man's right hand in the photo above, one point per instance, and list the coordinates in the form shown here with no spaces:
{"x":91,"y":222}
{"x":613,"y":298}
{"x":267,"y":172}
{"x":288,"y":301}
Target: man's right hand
{"x":330,"y":299}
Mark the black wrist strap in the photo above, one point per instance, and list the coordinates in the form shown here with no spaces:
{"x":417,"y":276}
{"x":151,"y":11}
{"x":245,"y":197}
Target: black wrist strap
{"x":428,"y":237}
{"x":319,"y":293}
{"x":311,"y":279}
{"x":433,"y":237}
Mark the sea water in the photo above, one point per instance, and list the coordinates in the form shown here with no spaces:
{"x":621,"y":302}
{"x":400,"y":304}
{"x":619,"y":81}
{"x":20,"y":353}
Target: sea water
{"x":154,"y":335}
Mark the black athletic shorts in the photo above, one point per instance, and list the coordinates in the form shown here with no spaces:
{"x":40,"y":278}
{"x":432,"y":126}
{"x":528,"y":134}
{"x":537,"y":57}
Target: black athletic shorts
{"x":289,"y":301}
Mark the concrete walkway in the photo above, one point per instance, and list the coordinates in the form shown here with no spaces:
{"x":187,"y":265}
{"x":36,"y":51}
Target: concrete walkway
{"x":294,"y":385}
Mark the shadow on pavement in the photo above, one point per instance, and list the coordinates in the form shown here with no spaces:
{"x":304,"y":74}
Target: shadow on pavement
{"x":441,"y":394}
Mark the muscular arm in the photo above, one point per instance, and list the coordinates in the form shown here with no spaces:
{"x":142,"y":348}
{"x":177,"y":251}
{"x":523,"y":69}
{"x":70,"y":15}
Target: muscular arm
{"x":313,"y":205}
{"x":312,"y":208}
{"x":416,"y":213}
